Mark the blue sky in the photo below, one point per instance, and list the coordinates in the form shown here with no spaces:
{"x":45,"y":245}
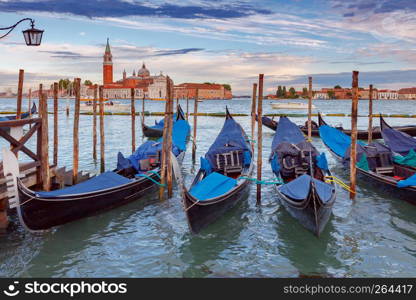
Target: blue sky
{"x":216,"y":40}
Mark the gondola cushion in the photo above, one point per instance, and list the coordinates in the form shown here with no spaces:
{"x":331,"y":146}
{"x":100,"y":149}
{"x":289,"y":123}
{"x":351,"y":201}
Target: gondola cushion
{"x":205,"y":165}
{"x":214,"y":185}
{"x":411,"y":181}
{"x":103,"y":181}
{"x":299,"y":188}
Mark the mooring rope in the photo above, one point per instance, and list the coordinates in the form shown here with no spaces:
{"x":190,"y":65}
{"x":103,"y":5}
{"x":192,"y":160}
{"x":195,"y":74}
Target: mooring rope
{"x":338,"y":181}
{"x":151,"y":179}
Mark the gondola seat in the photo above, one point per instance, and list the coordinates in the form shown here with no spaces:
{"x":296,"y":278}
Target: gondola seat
{"x":100,"y":182}
{"x":214,"y":185}
{"x":230,"y":162}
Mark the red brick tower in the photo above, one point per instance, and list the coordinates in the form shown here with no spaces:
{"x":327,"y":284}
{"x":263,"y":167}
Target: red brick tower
{"x":107,"y":65}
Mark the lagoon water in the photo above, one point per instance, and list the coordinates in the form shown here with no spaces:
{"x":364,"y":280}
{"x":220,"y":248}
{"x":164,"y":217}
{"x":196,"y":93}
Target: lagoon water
{"x":375,"y":235}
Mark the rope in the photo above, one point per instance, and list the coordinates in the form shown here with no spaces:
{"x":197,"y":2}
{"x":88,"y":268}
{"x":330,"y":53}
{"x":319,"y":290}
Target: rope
{"x":269,"y":181}
{"x":339,"y":182}
{"x":151,"y":179}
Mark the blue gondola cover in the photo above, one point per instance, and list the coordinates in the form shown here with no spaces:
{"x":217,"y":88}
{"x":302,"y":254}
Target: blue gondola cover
{"x":214,"y":185}
{"x":398,"y":141}
{"x":287,"y":131}
{"x":298,"y":189}
{"x":103,"y":181}
{"x":411,"y":181}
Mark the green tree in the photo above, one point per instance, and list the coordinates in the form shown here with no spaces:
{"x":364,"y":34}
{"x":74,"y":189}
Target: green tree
{"x":337,"y":87}
{"x":305,"y":92}
{"x":87,"y":82}
{"x":227,"y":86}
{"x":284,"y":92}
{"x":331,"y":94}
{"x":279,"y":91}
{"x":292,"y":93}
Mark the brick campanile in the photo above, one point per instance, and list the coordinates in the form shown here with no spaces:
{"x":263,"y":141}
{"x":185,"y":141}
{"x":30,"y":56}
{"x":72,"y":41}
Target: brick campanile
{"x":107,"y":65}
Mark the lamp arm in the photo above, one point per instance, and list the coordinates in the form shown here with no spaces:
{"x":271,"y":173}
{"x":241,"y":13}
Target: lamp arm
{"x":14,"y":26}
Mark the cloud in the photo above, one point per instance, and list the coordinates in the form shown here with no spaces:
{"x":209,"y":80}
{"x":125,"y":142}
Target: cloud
{"x":120,"y":8}
{"x":177,"y":51}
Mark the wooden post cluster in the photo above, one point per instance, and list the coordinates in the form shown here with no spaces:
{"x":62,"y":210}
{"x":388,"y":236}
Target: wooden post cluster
{"x":94,"y":123}
{"x":102,"y":137}
{"x":20,"y":94}
{"x":75,"y":157}
{"x":353,"y":153}
{"x":370,"y":115}
{"x":55,"y":123}
{"x":133,"y":121}
{"x":253,"y":113}
{"x":166,"y":164}
{"x":310,"y":109}
{"x":195,"y":126}
{"x":259,"y":136}
{"x":44,"y":144}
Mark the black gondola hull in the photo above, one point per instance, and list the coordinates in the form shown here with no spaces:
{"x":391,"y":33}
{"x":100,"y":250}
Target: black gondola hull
{"x":151,"y":132}
{"x":201,"y":214}
{"x":311,"y":212}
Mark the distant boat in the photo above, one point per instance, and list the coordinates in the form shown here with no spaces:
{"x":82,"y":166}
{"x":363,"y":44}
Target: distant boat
{"x":290,"y":105}
{"x":91,"y":99}
{"x":109,"y":107}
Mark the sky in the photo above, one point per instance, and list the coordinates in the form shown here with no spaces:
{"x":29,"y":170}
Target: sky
{"x":216,"y":41}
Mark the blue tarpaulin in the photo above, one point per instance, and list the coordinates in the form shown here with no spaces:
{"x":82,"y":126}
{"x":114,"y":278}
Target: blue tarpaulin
{"x":298,"y":189}
{"x":411,"y":181}
{"x":103,"y":181}
{"x":287,"y":131}
{"x":214,"y":185}
{"x":335,"y":139}
{"x":161,"y":123}
{"x":322,"y":162}
{"x":408,"y":160}
{"x":398,"y":141}
{"x":230,"y":138}
{"x":180,"y":133}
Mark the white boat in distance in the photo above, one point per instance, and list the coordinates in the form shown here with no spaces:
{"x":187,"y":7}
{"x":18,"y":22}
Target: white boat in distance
{"x":291,"y":105}
{"x":109,"y":107}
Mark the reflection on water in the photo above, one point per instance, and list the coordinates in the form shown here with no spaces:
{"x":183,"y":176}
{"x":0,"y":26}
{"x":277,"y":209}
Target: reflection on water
{"x":375,"y":235}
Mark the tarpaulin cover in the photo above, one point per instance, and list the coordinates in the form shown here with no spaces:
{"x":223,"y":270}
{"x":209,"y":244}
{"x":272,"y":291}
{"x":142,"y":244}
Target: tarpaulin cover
{"x":205,"y":165}
{"x":336,"y":140}
{"x":411,"y":181}
{"x":363,"y":163}
{"x":214,"y":185}
{"x":369,"y":156}
{"x":274,"y":162}
{"x":398,"y":141}
{"x":230,"y":138}
{"x":298,"y":189}
{"x":322,"y":162}
{"x":408,"y":160}
{"x":103,"y":181}
{"x":180,"y":133}
{"x":287,"y":131}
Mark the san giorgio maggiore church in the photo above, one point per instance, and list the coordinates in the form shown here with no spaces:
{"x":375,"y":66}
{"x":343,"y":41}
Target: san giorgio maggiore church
{"x":151,"y":87}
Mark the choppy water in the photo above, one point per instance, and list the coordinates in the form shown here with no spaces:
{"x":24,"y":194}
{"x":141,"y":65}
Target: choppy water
{"x":372,"y":236}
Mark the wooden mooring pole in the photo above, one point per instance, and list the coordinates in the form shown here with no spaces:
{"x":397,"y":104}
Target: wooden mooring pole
{"x":55,"y":123}
{"x":163,"y":164}
{"x":19,"y":94}
{"x":30,"y":106}
{"x":195,"y":126}
{"x":370,"y":115}
{"x":133,"y":122}
{"x":353,"y":153}
{"x":44,"y":142}
{"x":75,"y":149}
{"x":94,"y":123}
{"x":259,"y":137}
{"x":253,"y":114}
{"x":187,"y":106}
{"x":310,"y":109}
{"x":102,"y":137}
{"x":169,"y":174}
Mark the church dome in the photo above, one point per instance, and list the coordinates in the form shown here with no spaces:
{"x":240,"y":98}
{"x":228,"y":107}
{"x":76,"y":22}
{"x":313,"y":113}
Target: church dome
{"x":143,"y":71}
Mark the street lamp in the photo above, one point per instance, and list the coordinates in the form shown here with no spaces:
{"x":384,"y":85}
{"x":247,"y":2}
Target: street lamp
{"x":33,"y":36}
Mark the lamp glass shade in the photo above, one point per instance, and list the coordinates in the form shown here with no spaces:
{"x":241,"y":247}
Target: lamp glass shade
{"x":33,"y":36}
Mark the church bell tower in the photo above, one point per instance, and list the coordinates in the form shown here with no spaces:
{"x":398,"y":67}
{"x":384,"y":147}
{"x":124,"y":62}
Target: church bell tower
{"x":107,"y":65}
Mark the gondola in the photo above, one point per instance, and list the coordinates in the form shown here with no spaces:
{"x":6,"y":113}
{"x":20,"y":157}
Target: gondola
{"x":157,"y":130}
{"x":134,"y":177}
{"x":222,"y":180}
{"x":361,"y":134}
{"x":375,"y":164}
{"x":399,"y":142}
{"x":301,"y":172}
{"x":24,"y":115}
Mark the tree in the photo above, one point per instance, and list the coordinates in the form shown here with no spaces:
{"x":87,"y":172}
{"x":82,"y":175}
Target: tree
{"x":227,"y":86}
{"x":331,"y":94}
{"x":337,"y":87}
{"x":305,"y":92}
{"x":279,"y":91}
{"x":284,"y":92}
{"x":292,"y":93}
{"x":87,"y":82}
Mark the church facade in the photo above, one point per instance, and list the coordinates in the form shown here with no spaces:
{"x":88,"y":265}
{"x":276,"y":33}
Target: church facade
{"x":144,"y":85}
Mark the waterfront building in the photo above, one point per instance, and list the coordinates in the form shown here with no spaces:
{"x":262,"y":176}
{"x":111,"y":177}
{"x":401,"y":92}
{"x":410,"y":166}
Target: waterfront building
{"x":205,"y":91}
{"x":321,"y":95}
{"x":388,"y":95}
{"x":144,"y":84}
{"x":407,"y":94}
{"x":365,"y":94}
